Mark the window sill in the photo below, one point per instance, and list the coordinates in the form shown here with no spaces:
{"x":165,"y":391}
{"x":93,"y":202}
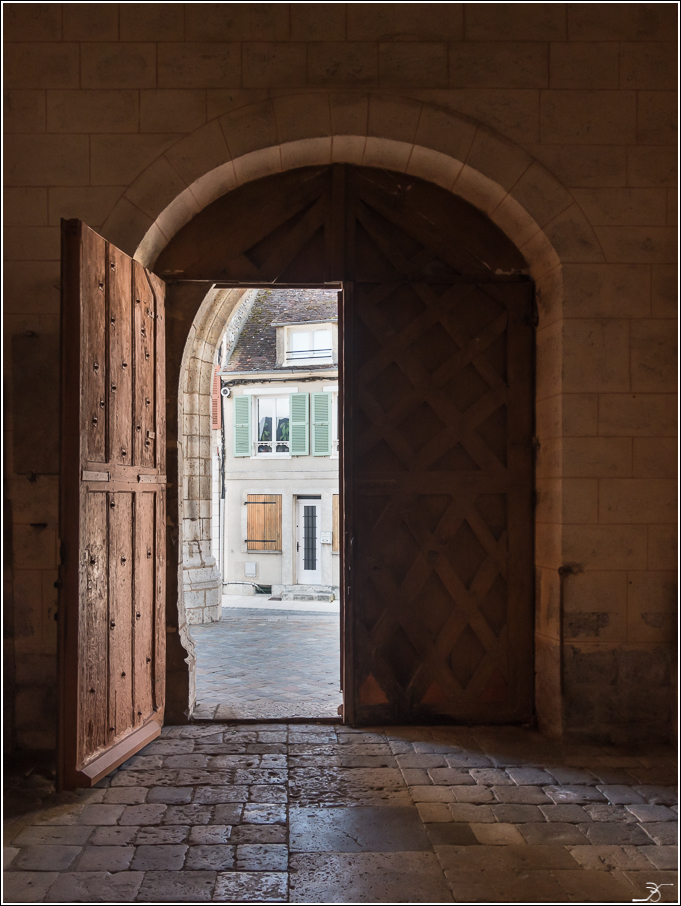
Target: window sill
{"x":272,"y":456}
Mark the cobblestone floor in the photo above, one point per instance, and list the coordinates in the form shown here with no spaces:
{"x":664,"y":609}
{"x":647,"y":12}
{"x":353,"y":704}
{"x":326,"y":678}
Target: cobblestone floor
{"x":258,"y":664}
{"x":325,"y":814}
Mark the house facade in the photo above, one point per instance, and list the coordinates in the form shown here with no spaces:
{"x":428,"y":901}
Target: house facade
{"x":279,"y":439}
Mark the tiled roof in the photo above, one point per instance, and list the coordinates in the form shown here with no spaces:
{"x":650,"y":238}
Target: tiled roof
{"x":255,"y":349}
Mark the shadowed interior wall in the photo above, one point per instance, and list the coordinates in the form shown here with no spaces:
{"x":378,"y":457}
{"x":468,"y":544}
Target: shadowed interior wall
{"x":113,"y":111}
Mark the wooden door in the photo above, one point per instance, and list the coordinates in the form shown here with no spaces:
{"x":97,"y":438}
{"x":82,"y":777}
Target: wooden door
{"x":439,"y":428}
{"x":436,"y":458}
{"x":438,"y":475}
{"x":112,"y":512}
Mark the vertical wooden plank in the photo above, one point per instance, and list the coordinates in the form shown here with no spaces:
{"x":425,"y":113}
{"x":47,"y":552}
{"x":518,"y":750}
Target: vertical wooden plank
{"x":93,"y":277}
{"x":160,"y":600}
{"x":159,"y":288}
{"x":159,"y":528}
{"x":144,"y":341}
{"x":121,"y":615}
{"x":119,"y":389}
{"x":250,"y":516}
{"x":259,"y":523}
{"x":265,"y":522}
{"x":143,"y":605}
{"x":72,"y":577}
{"x":93,"y":619}
{"x":277,"y":523}
{"x":520,"y":583}
{"x":334,"y":233}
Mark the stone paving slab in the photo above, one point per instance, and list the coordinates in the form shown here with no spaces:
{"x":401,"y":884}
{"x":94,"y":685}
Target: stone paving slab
{"x":259,"y":665}
{"x":367,"y":878}
{"x":325,"y":813}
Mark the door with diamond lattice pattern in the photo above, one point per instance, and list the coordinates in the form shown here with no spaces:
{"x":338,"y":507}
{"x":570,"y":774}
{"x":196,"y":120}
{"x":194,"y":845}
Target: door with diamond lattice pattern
{"x":438,"y":430}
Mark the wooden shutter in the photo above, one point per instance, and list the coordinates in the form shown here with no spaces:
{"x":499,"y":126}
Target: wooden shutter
{"x":336,"y":530}
{"x":242,"y":426}
{"x":112,"y":507}
{"x":321,"y":424}
{"x":300,"y":409}
{"x":263,"y":525}
{"x":216,"y":403}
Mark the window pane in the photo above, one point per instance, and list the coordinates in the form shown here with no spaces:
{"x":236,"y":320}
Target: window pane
{"x":282,"y":429}
{"x":322,"y":341}
{"x":282,"y":424}
{"x":310,"y":537}
{"x":300,"y":340}
{"x":265,"y":415}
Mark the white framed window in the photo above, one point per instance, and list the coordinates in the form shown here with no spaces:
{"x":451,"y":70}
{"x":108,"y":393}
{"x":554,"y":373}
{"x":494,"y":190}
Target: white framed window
{"x":272,"y":425}
{"x":309,"y":344}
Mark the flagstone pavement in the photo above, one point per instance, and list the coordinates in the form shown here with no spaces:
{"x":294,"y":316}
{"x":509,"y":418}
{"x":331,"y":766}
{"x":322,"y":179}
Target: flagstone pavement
{"x":262,"y":664}
{"x":321,"y":813}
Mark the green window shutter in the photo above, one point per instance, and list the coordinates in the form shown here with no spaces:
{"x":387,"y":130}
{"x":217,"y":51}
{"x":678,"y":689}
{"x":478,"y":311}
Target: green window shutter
{"x":242,"y":425}
{"x":321,"y":424}
{"x":300,"y":409}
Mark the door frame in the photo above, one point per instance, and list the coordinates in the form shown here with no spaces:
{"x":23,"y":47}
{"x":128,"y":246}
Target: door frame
{"x":343,"y":288}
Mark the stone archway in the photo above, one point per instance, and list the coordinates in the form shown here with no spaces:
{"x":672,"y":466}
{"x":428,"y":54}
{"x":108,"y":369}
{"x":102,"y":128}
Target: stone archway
{"x":466,"y":158}
{"x":201,"y":577}
{"x":196,"y":583}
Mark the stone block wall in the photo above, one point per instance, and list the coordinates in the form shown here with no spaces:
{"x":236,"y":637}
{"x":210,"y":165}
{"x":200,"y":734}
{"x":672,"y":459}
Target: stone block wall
{"x":133,"y":116}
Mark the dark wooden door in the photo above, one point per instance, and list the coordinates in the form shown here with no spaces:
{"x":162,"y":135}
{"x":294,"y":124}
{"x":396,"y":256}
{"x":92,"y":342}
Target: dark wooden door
{"x":112,"y":574}
{"x":438,"y":411}
{"x":436,"y":456}
{"x":440,"y":495}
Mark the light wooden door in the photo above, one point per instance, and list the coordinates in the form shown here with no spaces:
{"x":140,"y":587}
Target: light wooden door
{"x":112,"y":574}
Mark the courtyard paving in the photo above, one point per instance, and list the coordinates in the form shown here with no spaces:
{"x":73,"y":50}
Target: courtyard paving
{"x":268,"y":662}
{"x":320,"y":813}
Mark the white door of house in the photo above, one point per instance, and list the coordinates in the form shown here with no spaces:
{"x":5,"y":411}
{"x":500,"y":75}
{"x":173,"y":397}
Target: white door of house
{"x":308,"y":541}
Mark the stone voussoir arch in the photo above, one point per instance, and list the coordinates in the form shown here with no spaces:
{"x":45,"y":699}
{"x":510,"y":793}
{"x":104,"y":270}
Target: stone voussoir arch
{"x":463,"y":156}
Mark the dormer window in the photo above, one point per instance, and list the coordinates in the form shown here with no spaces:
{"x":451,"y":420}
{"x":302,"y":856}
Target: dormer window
{"x":308,"y":344}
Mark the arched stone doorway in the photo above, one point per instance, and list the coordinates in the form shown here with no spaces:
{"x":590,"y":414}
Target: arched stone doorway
{"x":219,"y":312}
{"x":428,"y":250}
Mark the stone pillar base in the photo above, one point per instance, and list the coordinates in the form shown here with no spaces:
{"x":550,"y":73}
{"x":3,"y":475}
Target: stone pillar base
{"x":202,"y":592}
